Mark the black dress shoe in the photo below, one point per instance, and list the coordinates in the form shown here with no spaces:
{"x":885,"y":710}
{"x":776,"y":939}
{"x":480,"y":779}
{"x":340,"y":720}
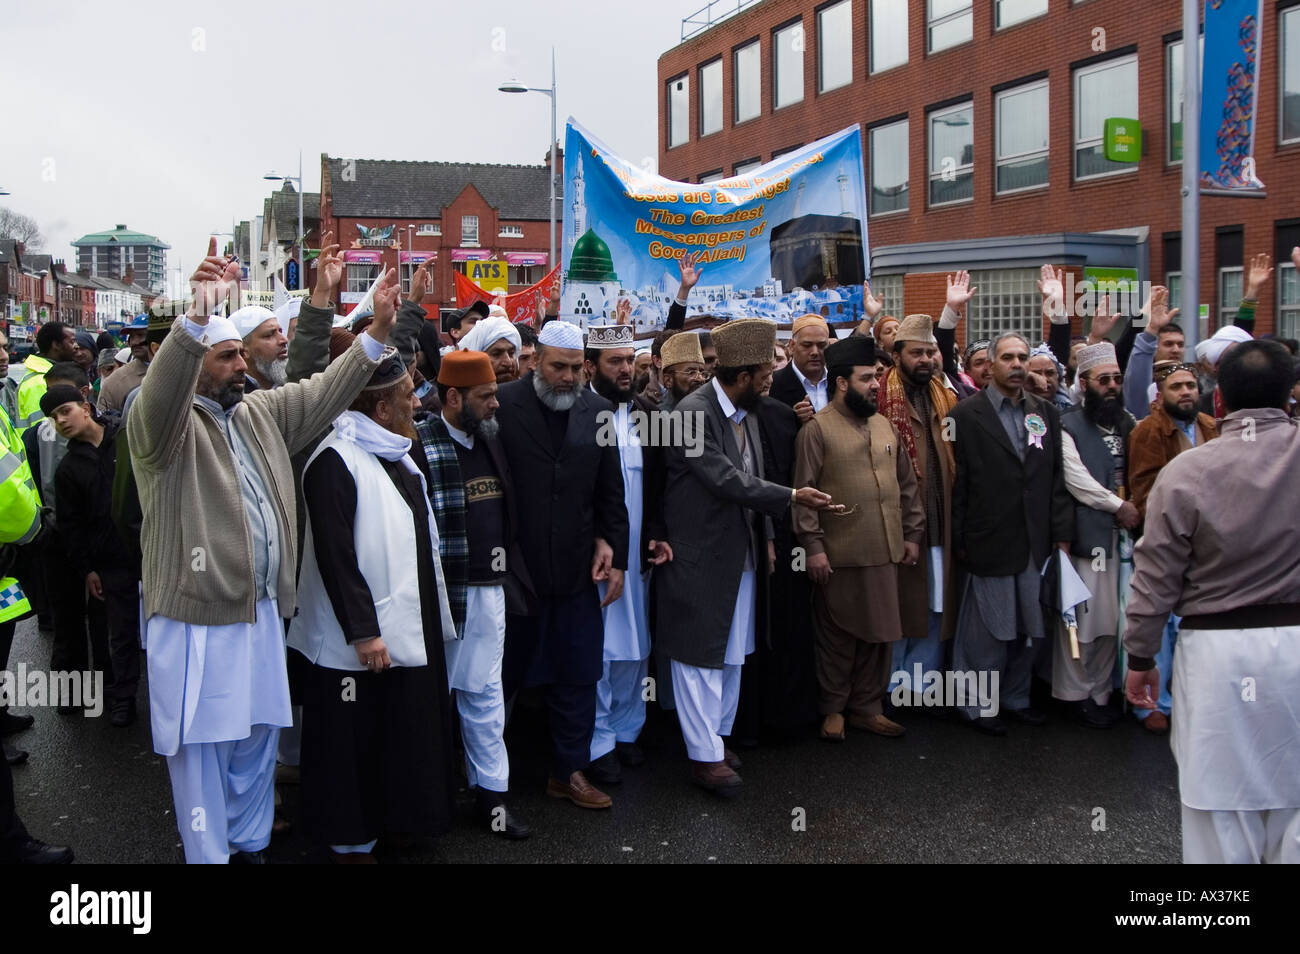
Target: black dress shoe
{"x":122,"y":713}
{"x":606,"y":769}
{"x":11,"y":724}
{"x":14,"y":756}
{"x":1028,"y":715}
{"x":249,"y":858}
{"x":491,"y":811}
{"x":629,"y":753}
{"x":36,"y":852}
{"x":989,"y":725}
{"x":1092,"y":715}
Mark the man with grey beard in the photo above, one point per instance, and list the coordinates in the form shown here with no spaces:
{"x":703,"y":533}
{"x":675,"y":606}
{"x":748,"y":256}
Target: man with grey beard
{"x":266,"y":347}
{"x":573,"y":531}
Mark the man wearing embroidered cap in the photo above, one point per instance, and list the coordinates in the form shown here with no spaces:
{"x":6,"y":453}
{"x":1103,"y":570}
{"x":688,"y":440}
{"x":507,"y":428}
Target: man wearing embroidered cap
{"x":573,"y":530}
{"x":1094,"y":452}
{"x":620,"y":706}
{"x":499,"y":340}
{"x":801,"y":384}
{"x":712,"y":596}
{"x":474,"y":502}
{"x":220,"y":551}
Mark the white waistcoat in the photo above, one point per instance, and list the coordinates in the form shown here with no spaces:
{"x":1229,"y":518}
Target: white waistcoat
{"x":384,"y":535}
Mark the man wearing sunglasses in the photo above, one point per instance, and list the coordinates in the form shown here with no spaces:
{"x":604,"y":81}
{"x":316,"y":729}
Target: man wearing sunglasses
{"x":1094,"y":453}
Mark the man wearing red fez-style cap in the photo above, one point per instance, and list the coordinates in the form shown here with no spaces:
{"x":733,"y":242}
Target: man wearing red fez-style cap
{"x":473,"y":502}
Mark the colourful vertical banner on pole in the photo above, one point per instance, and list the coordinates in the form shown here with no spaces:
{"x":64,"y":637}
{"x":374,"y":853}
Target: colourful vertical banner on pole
{"x":1229,"y":95}
{"x":782,"y":240}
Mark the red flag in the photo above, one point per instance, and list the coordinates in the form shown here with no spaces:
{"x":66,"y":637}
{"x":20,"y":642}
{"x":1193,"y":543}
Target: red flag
{"x":521,"y":307}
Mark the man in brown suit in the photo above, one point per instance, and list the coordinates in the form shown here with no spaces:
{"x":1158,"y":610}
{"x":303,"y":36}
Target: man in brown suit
{"x":915,"y":396}
{"x":1173,"y":426}
{"x":856,"y":457}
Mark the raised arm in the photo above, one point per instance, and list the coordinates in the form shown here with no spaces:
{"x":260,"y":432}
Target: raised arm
{"x":690,"y":275}
{"x":309,"y":351}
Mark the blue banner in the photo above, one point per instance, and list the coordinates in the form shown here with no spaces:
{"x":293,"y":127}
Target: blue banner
{"x":1229,"y":95}
{"x":780,"y":241}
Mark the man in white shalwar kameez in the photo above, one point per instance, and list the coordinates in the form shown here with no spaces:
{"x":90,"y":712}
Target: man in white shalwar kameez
{"x":620,"y":699}
{"x":1219,"y":549}
{"x":219,"y":542}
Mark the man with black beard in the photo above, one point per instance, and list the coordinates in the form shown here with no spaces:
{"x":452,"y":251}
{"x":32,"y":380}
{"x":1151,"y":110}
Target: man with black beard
{"x":473,"y":501}
{"x":573,"y":531}
{"x":855,"y":455}
{"x":1174,"y":425}
{"x":1094,"y":452}
{"x":620,"y":705}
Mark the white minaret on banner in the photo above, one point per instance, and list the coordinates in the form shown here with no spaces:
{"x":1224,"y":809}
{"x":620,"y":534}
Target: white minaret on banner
{"x":577,"y":209}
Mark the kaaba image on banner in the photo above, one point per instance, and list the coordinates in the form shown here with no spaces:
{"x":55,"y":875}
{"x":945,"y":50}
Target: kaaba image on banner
{"x":820,"y":251}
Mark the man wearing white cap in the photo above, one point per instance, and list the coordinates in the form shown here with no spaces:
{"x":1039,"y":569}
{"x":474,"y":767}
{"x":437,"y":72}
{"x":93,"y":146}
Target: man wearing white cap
{"x":266,"y":346}
{"x":1094,"y":453}
{"x":220,"y":544}
{"x":620,"y":705}
{"x":573,"y":530}
{"x":496,"y":337}
{"x":1209,"y":354}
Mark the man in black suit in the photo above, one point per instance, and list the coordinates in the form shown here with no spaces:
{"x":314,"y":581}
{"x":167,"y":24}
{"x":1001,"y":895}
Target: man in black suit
{"x":1009,"y":506}
{"x":573,"y":530}
{"x":801,"y":384}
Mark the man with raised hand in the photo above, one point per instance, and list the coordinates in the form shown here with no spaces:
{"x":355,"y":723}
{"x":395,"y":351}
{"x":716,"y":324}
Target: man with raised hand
{"x":220,"y":544}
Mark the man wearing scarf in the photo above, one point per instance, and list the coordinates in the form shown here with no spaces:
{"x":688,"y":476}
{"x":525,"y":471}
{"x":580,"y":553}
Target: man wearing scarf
{"x":376,"y":740}
{"x":499,"y":340}
{"x":915,"y":397}
{"x":1094,"y":452}
{"x":854,"y":454}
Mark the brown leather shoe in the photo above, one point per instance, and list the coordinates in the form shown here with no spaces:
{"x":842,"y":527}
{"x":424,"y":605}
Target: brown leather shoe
{"x":579,"y":791}
{"x":1157,"y":723}
{"x":717,"y":777}
{"x":731,"y":758}
{"x":833,"y":727}
{"x":878,"y":724}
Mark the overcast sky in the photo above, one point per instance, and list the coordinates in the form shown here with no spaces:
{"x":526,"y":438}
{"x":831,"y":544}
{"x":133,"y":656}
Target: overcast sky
{"x":166,"y":115}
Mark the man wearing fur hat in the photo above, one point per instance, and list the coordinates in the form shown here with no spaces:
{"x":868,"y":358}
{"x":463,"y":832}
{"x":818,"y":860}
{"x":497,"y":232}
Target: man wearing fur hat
{"x":915,"y":396}
{"x":857,"y":457}
{"x":712,"y":596}
{"x":1094,"y":452}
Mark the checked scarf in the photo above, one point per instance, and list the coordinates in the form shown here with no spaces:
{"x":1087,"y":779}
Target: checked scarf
{"x":894,"y":405}
{"x":447,"y":495}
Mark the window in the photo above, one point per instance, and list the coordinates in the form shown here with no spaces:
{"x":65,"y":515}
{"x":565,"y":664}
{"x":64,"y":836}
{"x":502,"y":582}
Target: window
{"x":1174,"y":100}
{"x":889,"y":156}
{"x":889,"y":289}
{"x":949,"y":24}
{"x":1010,"y":12}
{"x":788,"y":149}
{"x":1230,"y":287}
{"x":1288,"y":301}
{"x":787,"y":65}
{"x":523,"y":274}
{"x":360,"y":277}
{"x":679,"y":111}
{"x":511,"y":231}
{"x":1008,"y":300}
{"x":747,"y":82}
{"x":835,"y":46}
{"x":429,"y":228}
{"x":405,"y":272}
{"x":713,"y":176}
{"x":1106,"y":90}
{"x":1174,"y":282}
{"x":952,"y":155}
{"x":469,"y":230}
{"x":711,"y":97}
{"x":1289,"y":73}
{"x":1022,"y":138}
{"x":747,"y":166}
{"x":888,"y":34}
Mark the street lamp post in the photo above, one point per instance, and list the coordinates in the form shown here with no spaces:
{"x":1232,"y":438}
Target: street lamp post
{"x":302,"y":278}
{"x":514,"y":86}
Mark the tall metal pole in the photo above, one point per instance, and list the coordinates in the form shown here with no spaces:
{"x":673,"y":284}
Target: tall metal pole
{"x":302,"y":259}
{"x":550,"y":262}
{"x":1191,"y":190}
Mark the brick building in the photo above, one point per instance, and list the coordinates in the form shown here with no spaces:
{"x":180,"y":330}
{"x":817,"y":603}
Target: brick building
{"x":994,"y":110}
{"x":453,"y":213}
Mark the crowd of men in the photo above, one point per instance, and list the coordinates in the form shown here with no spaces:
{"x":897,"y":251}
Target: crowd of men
{"x":347,"y":549}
